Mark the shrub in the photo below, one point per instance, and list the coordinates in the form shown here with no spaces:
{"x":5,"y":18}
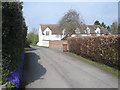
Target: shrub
{"x":14,"y":32}
{"x":32,"y":37}
{"x":102,"y":49}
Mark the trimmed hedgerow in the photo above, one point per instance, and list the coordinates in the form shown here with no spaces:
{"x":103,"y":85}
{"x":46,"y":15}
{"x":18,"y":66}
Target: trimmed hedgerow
{"x":102,"y":49}
{"x":14,"y":31}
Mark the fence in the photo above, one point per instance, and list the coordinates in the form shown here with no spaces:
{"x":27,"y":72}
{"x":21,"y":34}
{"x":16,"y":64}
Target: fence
{"x":57,"y":43}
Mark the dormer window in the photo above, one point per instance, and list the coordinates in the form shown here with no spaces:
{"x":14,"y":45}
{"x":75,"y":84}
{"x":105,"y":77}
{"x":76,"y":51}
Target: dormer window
{"x":77,"y":31}
{"x":88,"y":30}
{"x":47,"y":33}
{"x":63,"y":32}
{"x":97,"y":31}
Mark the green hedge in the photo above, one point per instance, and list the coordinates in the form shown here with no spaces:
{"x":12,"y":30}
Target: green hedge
{"x":14,"y":32}
{"x":102,"y":49}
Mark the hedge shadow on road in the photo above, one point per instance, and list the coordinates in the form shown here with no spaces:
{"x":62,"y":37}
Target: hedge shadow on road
{"x":32,"y":70}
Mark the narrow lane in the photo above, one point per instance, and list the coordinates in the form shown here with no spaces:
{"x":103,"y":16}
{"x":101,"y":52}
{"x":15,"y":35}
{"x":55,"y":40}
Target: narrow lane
{"x":51,"y":68}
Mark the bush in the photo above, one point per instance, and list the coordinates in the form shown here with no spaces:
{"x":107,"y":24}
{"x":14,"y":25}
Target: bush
{"x":14,"y":32}
{"x":33,"y":37}
{"x":102,"y":49}
{"x":27,"y":44}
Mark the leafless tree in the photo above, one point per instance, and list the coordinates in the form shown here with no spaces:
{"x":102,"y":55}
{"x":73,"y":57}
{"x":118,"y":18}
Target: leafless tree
{"x":114,"y":28}
{"x":70,"y":21}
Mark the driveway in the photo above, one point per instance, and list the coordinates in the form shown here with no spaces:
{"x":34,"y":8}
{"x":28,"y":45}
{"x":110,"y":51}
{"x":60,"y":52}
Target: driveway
{"x":53,"y":68}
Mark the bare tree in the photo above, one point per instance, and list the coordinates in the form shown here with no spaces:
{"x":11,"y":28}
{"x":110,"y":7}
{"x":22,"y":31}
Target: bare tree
{"x":114,"y":28}
{"x":119,"y":28}
{"x":70,"y":21}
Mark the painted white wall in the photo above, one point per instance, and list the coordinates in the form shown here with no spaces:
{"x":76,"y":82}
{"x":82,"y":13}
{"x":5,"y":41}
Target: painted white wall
{"x":77,"y":31}
{"x":53,"y":37}
{"x":73,"y":35}
{"x":85,"y":31}
{"x":63,"y":32}
{"x":88,"y":30}
{"x":45,"y":43}
{"x":40,"y":37}
{"x":45,"y":37}
{"x":97,"y":31}
{"x":44,"y":40}
{"x":85,"y":34}
{"x":47,"y":29}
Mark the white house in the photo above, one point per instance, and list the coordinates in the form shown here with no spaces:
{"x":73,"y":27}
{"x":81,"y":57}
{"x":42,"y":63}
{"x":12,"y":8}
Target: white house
{"x":50,"y":32}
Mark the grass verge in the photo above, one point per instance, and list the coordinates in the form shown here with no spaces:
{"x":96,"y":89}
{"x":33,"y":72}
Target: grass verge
{"x":43,"y":46}
{"x":101,"y":66}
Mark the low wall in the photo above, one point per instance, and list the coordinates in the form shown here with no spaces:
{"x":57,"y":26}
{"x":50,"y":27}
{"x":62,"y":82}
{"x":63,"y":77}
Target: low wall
{"x":57,"y":43}
{"x":45,"y":43}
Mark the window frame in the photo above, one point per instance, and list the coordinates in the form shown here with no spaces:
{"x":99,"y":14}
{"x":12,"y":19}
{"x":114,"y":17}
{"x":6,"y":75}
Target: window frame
{"x":47,"y":33}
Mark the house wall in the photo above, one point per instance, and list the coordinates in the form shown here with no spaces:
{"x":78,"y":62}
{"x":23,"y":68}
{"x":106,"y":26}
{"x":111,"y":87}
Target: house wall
{"x":40,"y":34}
{"x":74,"y":35}
{"x":57,"y":43}
{"x":52,"y":37}
{"x":40,"y":43}
{"x":97,"y":31}
{"x":85,"y":34}
{"x":88,"y":30}
{"x":44,"y":40}
{"x":43,"y":43}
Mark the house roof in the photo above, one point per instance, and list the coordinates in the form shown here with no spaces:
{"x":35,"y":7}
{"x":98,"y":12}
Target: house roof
{"x":93,"y":28}
{"x":54,"y":28}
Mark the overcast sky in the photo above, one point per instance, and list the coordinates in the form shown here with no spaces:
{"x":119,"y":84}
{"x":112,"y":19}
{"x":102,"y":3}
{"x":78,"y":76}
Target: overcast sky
{"x":36,"y":13}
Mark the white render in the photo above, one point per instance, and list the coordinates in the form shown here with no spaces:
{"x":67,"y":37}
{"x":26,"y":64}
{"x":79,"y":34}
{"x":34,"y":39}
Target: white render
{"x":97,"y":31}
{"x":44,"y":37}
{"x":88,"y":30}
{"x":40,"y":43}
{"x":50,"y":36}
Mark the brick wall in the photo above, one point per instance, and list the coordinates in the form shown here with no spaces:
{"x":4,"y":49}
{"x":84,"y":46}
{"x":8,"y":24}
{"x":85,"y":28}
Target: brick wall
{"x":57,"y":43}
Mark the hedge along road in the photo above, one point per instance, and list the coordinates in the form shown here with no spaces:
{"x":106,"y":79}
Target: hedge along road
{"x":52,"y":68}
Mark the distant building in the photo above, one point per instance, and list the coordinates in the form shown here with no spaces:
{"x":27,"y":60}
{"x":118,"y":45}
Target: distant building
{"x":49,"y":32}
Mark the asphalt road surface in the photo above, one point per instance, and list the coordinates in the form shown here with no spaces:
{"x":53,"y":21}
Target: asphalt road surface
{"x":53,"y":68}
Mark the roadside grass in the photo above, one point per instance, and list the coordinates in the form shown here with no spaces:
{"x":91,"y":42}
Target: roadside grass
{"x":43,"y":46}
{"x":38,"y":46}
{"x":32,"y":44}
{"x":101,"y":66}
{"x":0,"y":73}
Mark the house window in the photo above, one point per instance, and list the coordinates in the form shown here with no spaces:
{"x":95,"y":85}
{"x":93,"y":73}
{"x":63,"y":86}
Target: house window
{"x":88,"y":30}
{"x":47,"y":33}
{"x":77,"y":31}
{"x":64,"y":33}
